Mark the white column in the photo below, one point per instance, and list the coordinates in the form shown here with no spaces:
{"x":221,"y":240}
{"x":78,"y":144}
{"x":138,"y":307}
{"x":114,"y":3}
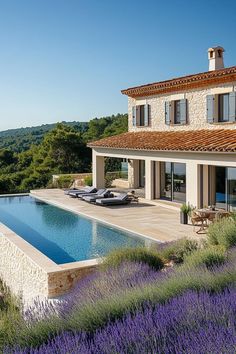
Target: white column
{"x":98,"y":171}
{"x":193,"y":183}
{"x":205,"y":192}
{"x":148,"y":179}
{"x":133,"y":172}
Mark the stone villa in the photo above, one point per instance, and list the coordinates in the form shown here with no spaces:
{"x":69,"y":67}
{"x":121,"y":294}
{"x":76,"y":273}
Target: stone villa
{"x":181,"y":143}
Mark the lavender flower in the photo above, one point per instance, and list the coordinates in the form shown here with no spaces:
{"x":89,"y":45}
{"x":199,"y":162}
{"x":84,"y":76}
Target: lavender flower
{"x":194,"y":323}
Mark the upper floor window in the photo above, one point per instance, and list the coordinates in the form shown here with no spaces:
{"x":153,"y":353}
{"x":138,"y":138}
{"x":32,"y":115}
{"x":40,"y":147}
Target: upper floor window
{"x":223,"y":102}
{"x":176,"y":112}
{"x":221,"y":108}
{"x":141,"y":115}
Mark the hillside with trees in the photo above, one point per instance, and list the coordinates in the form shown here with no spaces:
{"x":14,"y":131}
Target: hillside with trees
{"x":29,"y":156}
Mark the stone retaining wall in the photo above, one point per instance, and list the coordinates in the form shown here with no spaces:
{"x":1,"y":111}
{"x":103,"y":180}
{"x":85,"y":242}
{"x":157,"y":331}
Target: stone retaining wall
{"x":30,"y":274}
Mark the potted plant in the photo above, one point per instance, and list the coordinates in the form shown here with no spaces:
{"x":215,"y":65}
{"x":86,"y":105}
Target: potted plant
{"x":184,"y":213}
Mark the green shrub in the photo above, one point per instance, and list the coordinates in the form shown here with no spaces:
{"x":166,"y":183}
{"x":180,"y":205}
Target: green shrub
{"x":176,"y":250}
{"x":186,"y":208}
{"x":64,"y":181}
{"x":108,"y":181}
{"x":141,"y":254}
{"x":210,"y":257}
{"x":88,"y":181}
{"x":222,"y":232}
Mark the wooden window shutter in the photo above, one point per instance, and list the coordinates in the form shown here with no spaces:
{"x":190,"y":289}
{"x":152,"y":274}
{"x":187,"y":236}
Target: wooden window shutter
{"x":183,"y":111}
{"x":138,"y":114}
{"x":146,"y":115}
{"x":210,"y":109}
{"x":134,"y":116}
{"x":167,"y":112}
{"x":232,"y":106}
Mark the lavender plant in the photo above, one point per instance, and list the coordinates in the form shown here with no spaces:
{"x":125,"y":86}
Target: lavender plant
{"x":193,"y":323}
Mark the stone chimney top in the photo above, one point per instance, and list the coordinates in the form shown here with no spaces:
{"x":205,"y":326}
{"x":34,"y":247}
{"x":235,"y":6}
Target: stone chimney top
{"x":216,"y":58}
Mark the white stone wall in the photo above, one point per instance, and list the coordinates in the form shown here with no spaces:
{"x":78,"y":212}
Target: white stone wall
{"x":196,"y":109}
{"x":23,"y":276}
{"x":29,"y":274}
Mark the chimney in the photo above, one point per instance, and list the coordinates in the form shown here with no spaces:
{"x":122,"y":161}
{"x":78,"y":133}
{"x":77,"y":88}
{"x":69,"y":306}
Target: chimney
{"x":216,"y":58}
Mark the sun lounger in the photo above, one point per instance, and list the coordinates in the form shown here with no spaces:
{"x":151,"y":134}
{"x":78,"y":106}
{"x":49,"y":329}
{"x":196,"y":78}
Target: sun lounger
{"x":67,"y":191}
{"x":121,"y":199}
{"x":89,"y":190}
{"x":93,"y":198}
{"x":85,"y":189}
{"x":99,"y":192}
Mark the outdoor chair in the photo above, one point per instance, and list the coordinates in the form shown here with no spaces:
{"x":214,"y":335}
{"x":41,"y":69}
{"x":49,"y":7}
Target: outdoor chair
{"x":121,"y":199}
{"x":94,"y":197}
{"x":98,"y":192}
{"x":84,"y":189}
{"x":88,"y":190}
{"x":199,"y":220}
{"x":133,"y":197}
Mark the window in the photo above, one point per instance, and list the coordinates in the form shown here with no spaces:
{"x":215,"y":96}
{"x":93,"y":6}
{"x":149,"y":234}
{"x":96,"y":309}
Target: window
{"x":141,"y":121}
{"x":221,"y":108}
{"x":141,"y":115}
{"x":223,"y":102}
{"x":177,"y":113}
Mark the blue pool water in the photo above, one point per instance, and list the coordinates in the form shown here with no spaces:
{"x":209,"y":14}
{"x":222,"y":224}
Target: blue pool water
{"x":59,"y":234}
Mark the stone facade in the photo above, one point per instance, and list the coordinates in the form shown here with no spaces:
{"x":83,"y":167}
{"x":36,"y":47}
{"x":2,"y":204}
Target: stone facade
{"x":20,"y":273}
{"x":196,"y":109}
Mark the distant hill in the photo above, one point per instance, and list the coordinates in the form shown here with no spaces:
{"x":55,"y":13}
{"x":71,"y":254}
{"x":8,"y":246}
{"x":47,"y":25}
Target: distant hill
{"x":21,"y":139}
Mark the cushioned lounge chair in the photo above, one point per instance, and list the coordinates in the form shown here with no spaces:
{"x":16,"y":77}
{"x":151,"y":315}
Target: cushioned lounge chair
{"x":67,"y":191}
{"x":121,"y":199}
{"x":94,"y":197}
{"x":99,"y":192}
{"x":84,"y":190}
{"x":89,"y":190}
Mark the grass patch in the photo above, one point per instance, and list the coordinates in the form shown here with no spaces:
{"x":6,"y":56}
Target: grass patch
{"x":176,"y":250}
{"x":210,"y":257}
{"x":222,"y":232}
{"x":141,"y":255}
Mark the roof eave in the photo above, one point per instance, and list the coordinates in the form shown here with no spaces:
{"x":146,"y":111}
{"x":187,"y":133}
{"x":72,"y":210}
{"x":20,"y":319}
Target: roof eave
{"x":154,"y":150}
{"x":189,"y":82}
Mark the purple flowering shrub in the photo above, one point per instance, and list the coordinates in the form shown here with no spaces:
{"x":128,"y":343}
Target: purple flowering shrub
{"x":193,"y":323}
{"x":110,"y":296}
{"x":112,"y":281}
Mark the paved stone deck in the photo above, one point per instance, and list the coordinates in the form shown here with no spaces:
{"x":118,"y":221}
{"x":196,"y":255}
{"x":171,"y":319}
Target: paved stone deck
{"x":154,"y":220}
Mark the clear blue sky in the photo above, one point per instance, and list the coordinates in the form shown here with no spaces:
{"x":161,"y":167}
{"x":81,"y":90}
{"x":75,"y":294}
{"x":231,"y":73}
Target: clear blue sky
{"x":69,"y":59}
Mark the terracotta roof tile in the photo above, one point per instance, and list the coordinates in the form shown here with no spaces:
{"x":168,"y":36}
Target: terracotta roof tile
{"x":215,"y":140}
{"x":204,"y":79}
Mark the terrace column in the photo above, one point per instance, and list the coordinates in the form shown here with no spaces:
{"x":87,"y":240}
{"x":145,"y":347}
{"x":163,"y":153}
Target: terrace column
{"x":148,"y":179}
{"x":98,"y":171}
{"x":193,"y":183}
{"x":133,"y":173}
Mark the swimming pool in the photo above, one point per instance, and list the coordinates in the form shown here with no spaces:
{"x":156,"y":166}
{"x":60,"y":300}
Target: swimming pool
{"x":61,"y":235}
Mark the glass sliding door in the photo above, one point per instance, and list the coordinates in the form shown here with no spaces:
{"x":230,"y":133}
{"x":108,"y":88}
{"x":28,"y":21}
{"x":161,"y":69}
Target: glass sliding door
{"x":220,"y":191}
{"x":166,"y":187}
{"x":173,"y":181}
{"x":179,"y":182}
{"x":231,"y":176}
{"x":225,"y":188}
